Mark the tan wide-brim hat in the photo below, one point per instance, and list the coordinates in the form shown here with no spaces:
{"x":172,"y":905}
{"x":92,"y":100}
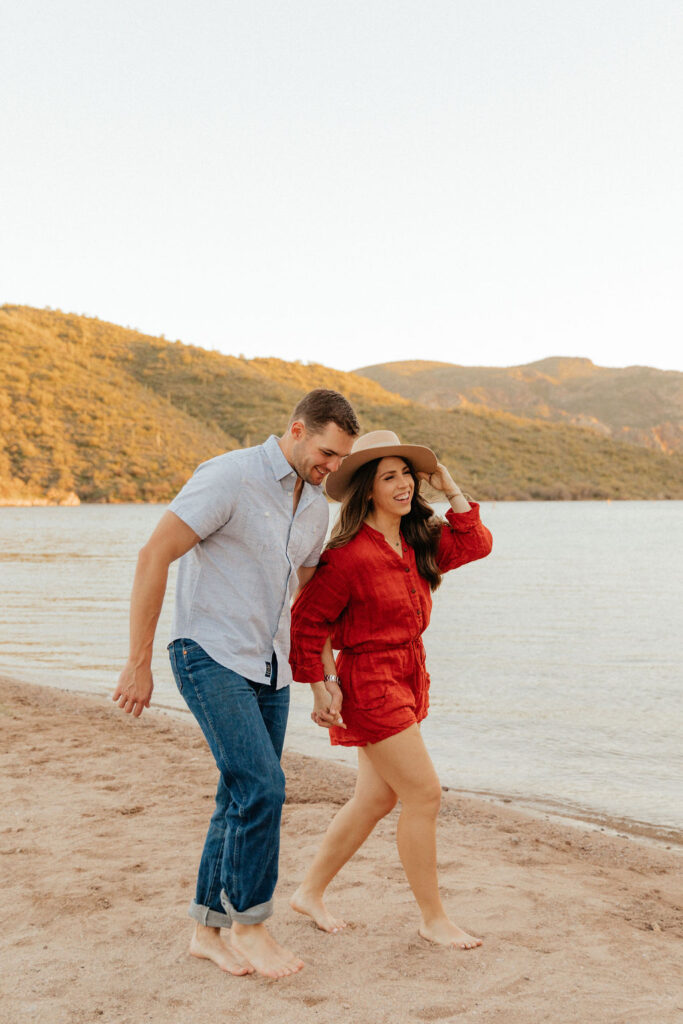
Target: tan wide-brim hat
{"x":378,"y":444}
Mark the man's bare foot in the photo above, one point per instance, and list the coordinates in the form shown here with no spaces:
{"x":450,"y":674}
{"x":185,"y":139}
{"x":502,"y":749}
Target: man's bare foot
{"x":444,"y":933}
{"x":207,"y":944}
{"x":259,"y":948}
{"x":306,"y":903}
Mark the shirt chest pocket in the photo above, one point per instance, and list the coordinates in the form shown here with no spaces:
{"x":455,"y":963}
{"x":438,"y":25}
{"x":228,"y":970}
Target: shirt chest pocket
{"x":271,"y":531}
{"x":256,"y":532}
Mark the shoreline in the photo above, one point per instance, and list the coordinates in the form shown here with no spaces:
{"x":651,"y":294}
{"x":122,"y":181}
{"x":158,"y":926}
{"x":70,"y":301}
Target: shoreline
{"x":75,"y":502}
{"x":669,"y":837}
{"x":658,"y":835}
{"x":103,"y":821}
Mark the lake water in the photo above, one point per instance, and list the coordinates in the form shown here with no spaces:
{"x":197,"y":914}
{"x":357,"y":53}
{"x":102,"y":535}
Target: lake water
{"x":556,"y":663}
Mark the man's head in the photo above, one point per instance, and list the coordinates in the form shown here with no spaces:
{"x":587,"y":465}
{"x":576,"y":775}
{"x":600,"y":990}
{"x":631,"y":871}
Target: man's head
{"x":320,"y":433}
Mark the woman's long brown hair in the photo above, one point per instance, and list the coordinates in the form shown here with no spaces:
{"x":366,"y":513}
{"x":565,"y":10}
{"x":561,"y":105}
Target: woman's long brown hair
{"x":420,"y":527}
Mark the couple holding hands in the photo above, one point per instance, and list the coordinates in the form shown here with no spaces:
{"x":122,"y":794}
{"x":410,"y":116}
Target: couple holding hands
{"x":249,"y":529}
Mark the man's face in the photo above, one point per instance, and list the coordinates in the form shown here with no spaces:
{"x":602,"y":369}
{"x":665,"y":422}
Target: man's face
{"x":316,"y":455}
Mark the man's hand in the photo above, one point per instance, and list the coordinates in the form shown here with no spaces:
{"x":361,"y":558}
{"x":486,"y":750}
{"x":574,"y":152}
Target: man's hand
{"x":327,"y":702}
{"x":134,"y":690}
{"x":171,"y":539}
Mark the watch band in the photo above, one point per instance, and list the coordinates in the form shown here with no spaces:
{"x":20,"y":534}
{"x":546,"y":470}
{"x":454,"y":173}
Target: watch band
{"x":331,"y":679}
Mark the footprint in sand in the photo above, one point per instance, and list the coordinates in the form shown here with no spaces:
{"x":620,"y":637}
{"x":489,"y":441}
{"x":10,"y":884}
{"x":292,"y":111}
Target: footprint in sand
{"x":435,"y":1012}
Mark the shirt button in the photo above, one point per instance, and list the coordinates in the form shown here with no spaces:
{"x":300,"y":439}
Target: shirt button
{"x":407,"y":568}
{"x":413,"y":591}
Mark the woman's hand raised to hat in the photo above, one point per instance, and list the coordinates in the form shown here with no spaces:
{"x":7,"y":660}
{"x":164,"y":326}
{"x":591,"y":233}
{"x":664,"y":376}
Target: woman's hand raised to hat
{"x":441,"y":480}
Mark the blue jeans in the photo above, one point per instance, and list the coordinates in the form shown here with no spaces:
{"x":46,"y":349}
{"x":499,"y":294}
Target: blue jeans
{"x":244,"y":724}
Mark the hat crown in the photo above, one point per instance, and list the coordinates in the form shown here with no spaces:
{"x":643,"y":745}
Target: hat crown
{"x":376,"y":445}
{"x":375,"y":439}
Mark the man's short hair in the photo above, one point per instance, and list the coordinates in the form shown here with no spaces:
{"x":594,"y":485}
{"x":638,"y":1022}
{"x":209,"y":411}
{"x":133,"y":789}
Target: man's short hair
{"x":321,"y":406}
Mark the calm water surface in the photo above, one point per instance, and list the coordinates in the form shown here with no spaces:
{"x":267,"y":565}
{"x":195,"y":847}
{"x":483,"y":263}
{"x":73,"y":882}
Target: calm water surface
{"x":555,"y":663}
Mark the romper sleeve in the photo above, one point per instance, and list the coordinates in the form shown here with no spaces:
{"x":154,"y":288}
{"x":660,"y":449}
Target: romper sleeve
{"x":464,"y":538}
{"x":314,"y":613}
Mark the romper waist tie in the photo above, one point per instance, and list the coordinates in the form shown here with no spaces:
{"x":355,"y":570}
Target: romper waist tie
{"x":372,"y":648}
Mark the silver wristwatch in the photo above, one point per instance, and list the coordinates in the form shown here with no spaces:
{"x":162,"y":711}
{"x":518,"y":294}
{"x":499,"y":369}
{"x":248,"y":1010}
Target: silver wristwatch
{"x":331,"y":679}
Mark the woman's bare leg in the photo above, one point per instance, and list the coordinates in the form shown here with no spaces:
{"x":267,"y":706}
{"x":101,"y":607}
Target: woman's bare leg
{"x":405,"y":766}
{"x":348,"y":830}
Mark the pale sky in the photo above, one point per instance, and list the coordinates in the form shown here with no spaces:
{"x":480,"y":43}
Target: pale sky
{"x":351,"y":182}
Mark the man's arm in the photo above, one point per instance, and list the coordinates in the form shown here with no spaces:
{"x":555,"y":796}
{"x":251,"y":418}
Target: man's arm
{"x":304,"y":574}
{"x":171,"y":539}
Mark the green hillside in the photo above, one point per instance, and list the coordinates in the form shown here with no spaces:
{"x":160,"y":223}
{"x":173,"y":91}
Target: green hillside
{"x":113,"y":415}
{"x":637,"y":404}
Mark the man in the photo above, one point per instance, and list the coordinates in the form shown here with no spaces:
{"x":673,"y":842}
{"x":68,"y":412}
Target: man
{"x":248,"y":528}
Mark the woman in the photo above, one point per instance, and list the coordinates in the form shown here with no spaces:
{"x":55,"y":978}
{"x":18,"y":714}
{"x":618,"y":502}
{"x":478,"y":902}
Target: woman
{"x":372,"y":594}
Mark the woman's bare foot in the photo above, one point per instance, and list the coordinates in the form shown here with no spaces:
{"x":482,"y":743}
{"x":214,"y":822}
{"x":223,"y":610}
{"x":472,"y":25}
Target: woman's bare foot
{"x":444,"y":933}
{"x":259,"y":948}
{"x":307,"y":903}
{"x":207,"y":944}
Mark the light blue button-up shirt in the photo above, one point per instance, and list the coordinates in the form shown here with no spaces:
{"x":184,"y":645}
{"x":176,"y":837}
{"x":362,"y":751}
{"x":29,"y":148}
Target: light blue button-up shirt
{"x":234,"y":588}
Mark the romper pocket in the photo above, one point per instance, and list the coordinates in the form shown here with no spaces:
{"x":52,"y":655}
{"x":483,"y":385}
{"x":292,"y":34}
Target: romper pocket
{"x":366,"y":686}
{"x":373,"y":698}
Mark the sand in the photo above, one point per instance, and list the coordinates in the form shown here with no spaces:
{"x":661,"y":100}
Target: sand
{"x":102,"y":823}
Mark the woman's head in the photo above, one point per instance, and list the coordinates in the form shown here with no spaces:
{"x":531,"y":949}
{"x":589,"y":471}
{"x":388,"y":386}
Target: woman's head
{"x":380,"y":483}
{"x":390,"y":485}
{"x":393,"y":486}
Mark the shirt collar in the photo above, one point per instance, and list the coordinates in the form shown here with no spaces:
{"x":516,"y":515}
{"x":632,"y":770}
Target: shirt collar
{"x":281,"y":468}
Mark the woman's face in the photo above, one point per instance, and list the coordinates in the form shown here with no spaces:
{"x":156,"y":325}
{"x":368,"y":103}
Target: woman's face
{"x":393,"y":487}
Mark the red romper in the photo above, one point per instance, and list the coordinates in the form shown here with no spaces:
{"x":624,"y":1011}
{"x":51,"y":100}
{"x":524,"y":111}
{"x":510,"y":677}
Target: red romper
{"x":376,"y":606}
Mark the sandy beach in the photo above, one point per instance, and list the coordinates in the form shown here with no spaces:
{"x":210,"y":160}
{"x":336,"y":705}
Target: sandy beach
{"x":103,"y":819}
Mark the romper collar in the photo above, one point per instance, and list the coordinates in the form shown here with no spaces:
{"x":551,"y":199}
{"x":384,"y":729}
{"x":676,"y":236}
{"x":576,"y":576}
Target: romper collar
{"x":380,"y":539}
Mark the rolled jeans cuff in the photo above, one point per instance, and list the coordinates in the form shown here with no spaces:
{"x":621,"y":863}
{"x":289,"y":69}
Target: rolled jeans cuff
{"x":254,"y":915}
{"x":208,"y":917}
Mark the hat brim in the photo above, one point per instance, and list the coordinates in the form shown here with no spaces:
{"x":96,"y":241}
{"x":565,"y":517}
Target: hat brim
{"x":421,"y":458}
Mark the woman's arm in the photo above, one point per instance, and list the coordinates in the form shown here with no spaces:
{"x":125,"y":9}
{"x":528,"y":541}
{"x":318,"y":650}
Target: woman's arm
{"x":319,"y":605}
{"x":327,"y":696}
{"x":464,"y":538}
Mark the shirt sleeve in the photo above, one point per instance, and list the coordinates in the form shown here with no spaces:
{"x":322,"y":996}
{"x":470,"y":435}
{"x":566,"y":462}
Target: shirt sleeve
{"x":313,"y":557}
{"x":464,"y":538}
{"x":314,"y":613}
{"x":207,"y":500}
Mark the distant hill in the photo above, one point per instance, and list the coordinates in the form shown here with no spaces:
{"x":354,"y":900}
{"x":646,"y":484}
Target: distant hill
{"x":108,"y":414}
{"x":637,"y":404}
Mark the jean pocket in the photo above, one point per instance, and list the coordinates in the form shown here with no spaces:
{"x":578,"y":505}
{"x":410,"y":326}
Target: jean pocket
{"x":192,"y":650}
{"x":174,"y":665}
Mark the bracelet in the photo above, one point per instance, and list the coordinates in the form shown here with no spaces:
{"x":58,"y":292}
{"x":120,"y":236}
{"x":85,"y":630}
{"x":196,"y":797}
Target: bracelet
{"x":455,"y":494}
{"x":331,"y":679}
